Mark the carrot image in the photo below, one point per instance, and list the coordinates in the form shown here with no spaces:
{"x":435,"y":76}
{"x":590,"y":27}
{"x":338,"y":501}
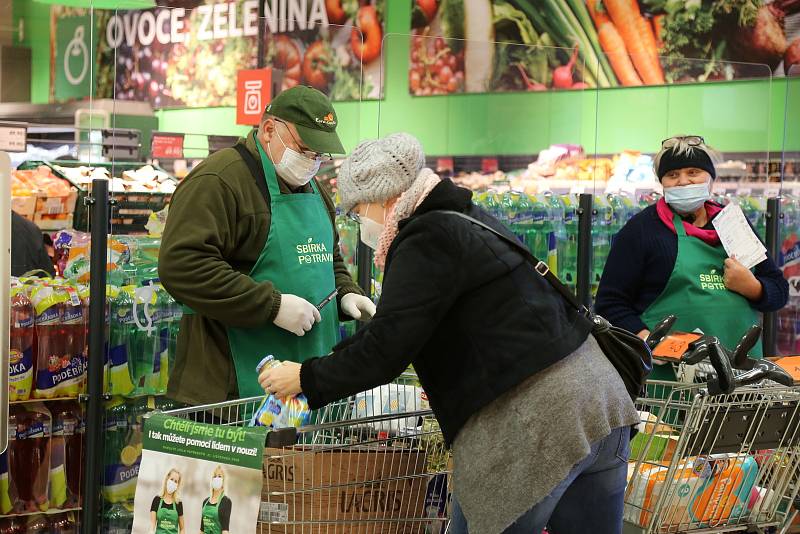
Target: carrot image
{"x":626,"y":19}
{"x":658,"y":29}
{"x":614,"y":47}
{"x":646,"y":31}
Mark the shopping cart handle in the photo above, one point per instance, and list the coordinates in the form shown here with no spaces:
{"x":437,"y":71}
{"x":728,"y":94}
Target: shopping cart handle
{"x":698,"y":350}
{"x":765,"y":370}
{"x":724,"y":383}
{"x":739,"y":357}
{"x":660,"y":331}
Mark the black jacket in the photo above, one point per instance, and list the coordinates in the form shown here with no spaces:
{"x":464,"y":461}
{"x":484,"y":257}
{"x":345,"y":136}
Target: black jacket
{"x":460,"y":304}
{"x":27,"y":247}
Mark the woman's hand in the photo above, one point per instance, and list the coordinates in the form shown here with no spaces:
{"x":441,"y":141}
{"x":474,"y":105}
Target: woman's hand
{"x":644,"y":334}
{"x":740,"y":280}
{"x":282,"y":381}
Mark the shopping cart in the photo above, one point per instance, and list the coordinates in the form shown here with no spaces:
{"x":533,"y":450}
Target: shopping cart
{"x":374,"y":463}
{"x":716,"y":456}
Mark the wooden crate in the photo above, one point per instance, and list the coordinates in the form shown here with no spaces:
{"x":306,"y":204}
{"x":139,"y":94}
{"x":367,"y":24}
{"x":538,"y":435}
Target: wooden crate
{"x":382,"y":486}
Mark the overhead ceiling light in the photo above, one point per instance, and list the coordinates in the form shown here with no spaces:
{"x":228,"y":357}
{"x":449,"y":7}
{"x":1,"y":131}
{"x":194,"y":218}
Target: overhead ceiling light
{"x":103,"y":4}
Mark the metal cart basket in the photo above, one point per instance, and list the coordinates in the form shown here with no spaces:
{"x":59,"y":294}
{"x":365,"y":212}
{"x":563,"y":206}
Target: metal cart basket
{"x":371,"y":464}
{"x":724,"y":463}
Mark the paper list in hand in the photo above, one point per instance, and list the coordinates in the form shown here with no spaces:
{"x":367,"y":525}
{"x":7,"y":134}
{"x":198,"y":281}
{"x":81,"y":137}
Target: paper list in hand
{"x":738,"y":238}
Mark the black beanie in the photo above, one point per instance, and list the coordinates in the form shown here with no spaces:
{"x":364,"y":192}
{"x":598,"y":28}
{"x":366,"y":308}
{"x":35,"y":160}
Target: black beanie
{"x":694,"y":157}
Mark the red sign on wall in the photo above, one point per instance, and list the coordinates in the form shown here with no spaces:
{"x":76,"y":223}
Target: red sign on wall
{"x":166,"y":146}
{"x":253,"y":93}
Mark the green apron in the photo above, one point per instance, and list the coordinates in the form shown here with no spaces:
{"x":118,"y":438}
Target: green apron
{"x":697,"y":295}
{"x":298,"y":259}
{"x":211,"y":524}
{"x":167,"y":519}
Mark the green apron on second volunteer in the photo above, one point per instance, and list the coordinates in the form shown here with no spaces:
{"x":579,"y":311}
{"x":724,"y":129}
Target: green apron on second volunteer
{"x":697,"y":295}
{"x":211,"y":524}
{"x":298,"y":259}
{"x":167,"y":519}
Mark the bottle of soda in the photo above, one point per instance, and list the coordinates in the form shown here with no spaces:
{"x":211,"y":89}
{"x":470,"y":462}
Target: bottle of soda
{"x":558,"y":231}
{"x":9,"y":494}
{"x":568,"y":249}
{"x":175,"y":328}
{"x":63,"y":524}
{"x":144,"y":356}
{"x":71,"y":376}
{"x":51,"y":350}
{"x":12,"y":525}
{"x":601,"y":239}
{"x":122,"y":327}
{"x":66,"y":420}
{"x":117,"y":519}
{"x":537,"y":227}
{"x":37,"y":524}
{"x":58,"y":469}
{"x":116,"y":473}
{"x":29,"y":460}
{"x":21,"y":371}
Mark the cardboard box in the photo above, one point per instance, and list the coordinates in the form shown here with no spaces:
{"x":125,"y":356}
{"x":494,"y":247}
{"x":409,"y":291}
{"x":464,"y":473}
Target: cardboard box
{"x":25,"y":206}
{"x":55,"y":213}
{"x":348,"y":491}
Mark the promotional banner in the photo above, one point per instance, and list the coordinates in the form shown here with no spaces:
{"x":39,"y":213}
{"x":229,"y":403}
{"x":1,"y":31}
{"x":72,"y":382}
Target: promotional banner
{"x":196,"y":477}
{"x":189,"y":56}
{"x":476,"y":46}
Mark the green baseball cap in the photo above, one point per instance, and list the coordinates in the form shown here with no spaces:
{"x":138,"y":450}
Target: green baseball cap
{"x":312,"y":114}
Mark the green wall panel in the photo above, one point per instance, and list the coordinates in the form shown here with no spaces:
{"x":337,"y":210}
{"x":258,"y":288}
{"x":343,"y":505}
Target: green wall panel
{"x":737,"y":116}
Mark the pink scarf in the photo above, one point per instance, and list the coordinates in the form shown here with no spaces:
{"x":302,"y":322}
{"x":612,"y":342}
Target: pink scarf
{"x":707,"y":236}
{"x":405,"y":206}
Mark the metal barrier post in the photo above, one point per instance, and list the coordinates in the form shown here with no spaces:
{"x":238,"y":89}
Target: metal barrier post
{"x":584,"y":274}
{"x":774,"y":218}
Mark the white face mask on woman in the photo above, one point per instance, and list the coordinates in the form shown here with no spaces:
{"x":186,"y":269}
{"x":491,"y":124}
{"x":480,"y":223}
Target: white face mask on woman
{"x":687,"y":199}
{"x":172,"y":486}
{"x":296,"y":169}
{"x":370,"y":230}
{"x":216,"y":483}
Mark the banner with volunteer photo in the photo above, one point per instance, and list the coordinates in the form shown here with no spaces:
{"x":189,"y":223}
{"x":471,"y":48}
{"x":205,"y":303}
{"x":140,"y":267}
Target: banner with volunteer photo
{"x":198,"y":478}
{"x":189,"y":55}
{"x":476,"y":46}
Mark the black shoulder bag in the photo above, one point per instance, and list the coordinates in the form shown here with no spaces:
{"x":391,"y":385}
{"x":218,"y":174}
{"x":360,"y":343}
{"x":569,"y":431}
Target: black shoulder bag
{"x":628,"y":353}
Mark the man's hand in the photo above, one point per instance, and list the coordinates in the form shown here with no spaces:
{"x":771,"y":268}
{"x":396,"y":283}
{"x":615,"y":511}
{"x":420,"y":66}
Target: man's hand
{"x":740,"y":280}
{"x":358,"y":307}
{"x":282,"y":381}
{"x":296,"y":315}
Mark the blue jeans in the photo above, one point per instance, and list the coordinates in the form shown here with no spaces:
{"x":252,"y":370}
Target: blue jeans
{"x":590,"y":499}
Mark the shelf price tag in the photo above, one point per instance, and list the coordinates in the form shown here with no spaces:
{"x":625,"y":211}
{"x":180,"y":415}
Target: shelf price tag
{"x":13,"y":138}
{"x":445,"y":164}
{"x":489,"y":165}
{"x":166,"y":146}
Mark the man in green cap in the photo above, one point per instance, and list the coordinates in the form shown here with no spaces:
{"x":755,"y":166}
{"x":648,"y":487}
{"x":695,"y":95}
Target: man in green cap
{"x":251,"y":250}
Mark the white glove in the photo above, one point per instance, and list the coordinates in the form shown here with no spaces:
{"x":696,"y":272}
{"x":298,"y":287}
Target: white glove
{"x":296,"y":315}
{"x":358,"y":306}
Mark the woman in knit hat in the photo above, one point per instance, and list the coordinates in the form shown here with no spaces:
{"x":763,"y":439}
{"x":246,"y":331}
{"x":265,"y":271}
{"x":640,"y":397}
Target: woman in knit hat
{"x":537,"y":417}
{"x":668,"y":260}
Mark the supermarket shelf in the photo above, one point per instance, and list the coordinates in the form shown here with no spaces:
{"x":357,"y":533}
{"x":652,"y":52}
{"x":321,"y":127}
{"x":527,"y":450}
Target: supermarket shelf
{"x":48,"y":512}
{"x":54,"y":399}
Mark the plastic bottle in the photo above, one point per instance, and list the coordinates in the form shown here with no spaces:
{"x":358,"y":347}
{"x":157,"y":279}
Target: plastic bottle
{"x":117,"y":519}
{"x":63,"y":524}
{"x":37,"y":524}
{"x":51,"y":349}
{"x":29,"y":461}
{"x":568,"y":248}
{"x":122,"y":328}
{"x":21,"y":368}
{"x":280,"y":413}
{"x":601,"y":239}
{"x":12,"y":525}
{"x":145,"y":347}
{"x":58,"y":463}
{"x":558,"y":232}
{"x":9,"y":494}
{"x":121,"y":461}
{"x":537,"y":227}
{"x":72,"y":375}
{"x":68,"y":425}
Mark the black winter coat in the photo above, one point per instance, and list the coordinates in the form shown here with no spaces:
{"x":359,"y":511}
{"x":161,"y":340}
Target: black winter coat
{"x":463,"y":307}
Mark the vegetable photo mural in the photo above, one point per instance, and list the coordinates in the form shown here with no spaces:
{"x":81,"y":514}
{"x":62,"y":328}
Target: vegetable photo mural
{"x":541,"y":45}
{"x":189,"y":55}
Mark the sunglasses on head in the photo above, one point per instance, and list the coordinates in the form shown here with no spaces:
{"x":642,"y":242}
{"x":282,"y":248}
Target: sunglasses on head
{"x":691,"y":140}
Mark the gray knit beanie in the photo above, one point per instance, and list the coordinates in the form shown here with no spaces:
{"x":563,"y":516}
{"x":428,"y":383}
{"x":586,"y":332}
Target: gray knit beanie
{"x":379,"y":170}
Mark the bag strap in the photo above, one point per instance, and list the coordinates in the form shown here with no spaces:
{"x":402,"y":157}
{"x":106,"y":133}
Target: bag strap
{"x":256,"y":169}
{"x":539,"y":266}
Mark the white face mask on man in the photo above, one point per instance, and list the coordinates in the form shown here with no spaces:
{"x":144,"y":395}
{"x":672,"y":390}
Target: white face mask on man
{"x":370,"y":230}
{"x":296,"y":169}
